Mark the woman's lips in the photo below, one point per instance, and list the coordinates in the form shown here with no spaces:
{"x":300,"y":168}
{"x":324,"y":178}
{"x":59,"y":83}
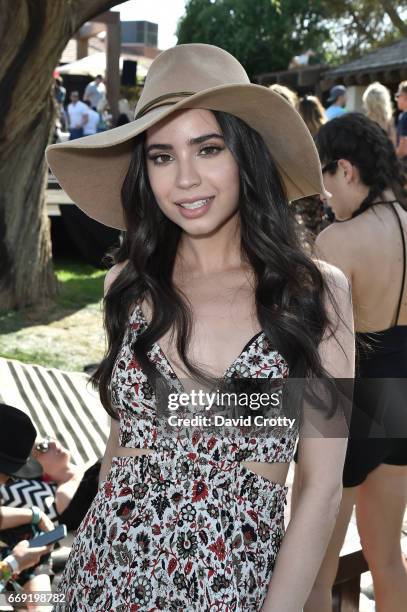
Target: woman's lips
{"x":195,"y":208}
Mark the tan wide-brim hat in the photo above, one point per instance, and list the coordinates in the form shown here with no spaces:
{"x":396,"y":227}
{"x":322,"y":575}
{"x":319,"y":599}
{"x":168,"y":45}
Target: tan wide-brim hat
{"x":91,"y":169}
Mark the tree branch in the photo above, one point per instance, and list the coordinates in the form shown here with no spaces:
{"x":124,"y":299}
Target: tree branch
{"x":84,"y":10}
{"x":394,"y":16}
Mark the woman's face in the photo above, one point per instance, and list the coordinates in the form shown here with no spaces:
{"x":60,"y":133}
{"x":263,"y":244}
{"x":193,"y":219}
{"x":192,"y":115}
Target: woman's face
{"x":54,"y":460}
{"x":193,"y":175}
{"x":344,"y":187}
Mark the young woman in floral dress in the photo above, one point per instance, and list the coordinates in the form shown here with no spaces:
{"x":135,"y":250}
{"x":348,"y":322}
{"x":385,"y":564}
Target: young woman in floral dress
{"x":200,"y":181}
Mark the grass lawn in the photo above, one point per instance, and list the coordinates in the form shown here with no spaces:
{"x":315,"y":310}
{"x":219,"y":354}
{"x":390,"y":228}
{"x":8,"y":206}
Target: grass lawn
{"x":67,"y":335}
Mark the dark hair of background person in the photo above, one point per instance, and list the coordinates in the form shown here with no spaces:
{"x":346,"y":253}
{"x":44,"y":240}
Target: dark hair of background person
{"x":364,"y":144}
{"x":289,"y":291}
{"x":313,"y":113}
{"x":122,"y":119}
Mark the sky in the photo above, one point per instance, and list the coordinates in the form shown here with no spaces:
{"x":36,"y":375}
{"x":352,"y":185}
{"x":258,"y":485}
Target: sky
{"x":164,"y":12}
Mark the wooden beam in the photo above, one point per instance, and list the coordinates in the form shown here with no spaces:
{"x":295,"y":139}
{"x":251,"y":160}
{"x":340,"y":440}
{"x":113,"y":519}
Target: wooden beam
{"x":89,"y":29}
{"x":81,"y":48}
{"x":108,"y":17}
{"x":350,"y":79}
{"x":113,"y":47}
{"x":363,"y":79}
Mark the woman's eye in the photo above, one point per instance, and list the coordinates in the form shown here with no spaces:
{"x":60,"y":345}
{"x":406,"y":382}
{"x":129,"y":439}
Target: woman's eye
{"x":210,"y":150}
{"x":160,"y":159}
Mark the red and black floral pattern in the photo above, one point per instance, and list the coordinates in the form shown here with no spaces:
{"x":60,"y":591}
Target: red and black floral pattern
{"x":186,"y":527}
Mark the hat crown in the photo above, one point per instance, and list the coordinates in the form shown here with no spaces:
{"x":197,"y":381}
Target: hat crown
{"x":188,"y":69}
{"x":17,"y":435}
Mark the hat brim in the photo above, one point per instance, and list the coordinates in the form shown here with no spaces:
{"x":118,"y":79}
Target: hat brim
{"x":32,"y":469}
{"x":91,"y":170}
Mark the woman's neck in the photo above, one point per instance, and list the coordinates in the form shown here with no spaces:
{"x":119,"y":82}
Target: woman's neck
{"x":210,"y":253}
{"x":67,"y":473}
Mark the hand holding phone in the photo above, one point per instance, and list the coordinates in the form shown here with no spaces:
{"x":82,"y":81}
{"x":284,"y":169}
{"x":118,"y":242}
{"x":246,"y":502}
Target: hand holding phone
{"x":49,"y":537}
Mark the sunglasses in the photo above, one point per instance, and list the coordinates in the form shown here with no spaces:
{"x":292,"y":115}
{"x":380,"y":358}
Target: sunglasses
{"x":330,"y":166}
{"x":43,"y":446}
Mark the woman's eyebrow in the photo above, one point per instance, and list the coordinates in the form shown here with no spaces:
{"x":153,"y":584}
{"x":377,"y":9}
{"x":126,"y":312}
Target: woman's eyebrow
{"x":191,"y":141}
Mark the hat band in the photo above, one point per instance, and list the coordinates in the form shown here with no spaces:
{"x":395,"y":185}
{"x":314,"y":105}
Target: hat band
{"x":161,"y":100}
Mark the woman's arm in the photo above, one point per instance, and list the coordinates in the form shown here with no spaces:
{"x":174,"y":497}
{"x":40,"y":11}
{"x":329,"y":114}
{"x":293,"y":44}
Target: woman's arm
{"x":66,"y":490}
{"x":113,"y":440}
{"x":321,"y":465}
{"x":15,"y":517}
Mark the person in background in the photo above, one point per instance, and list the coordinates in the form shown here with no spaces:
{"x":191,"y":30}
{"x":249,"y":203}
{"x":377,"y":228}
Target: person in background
{"x":78,"y":114}
{"x":337,"y":101}
{"x":313,"y":113}
{"x":122,"y":119}
{"x":59,"y":91}
{"x":20,"y":524}
{"x":74,"y":488}
{"x":308,"y":212}
{"x":91,"y":126}
{"x":368,"y":243}
{"x":401,"y":97}
{"x":378,"y":107}
{"x":95,"y":92}
{"x":287,"y":93}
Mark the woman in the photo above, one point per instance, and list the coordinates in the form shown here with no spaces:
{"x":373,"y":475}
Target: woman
{"x":313,"y":113}
{"x":209,"y":258}
{"x":378,"y":107}
{"x":368,"y":243}
{"x":17,"y":436}
{"x":72,"y":487}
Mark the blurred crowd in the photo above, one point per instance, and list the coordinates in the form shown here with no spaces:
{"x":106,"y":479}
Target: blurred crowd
{"x":78,"y":117}
{"x":312,"y":214}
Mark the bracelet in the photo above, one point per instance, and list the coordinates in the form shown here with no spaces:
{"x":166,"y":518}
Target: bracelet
{"x":36,"y":515}
{"x":5,"y":571}
{"x":12,"y":563}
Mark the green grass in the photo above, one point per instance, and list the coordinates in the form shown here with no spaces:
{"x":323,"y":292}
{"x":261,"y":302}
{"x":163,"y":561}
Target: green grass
{"x":68,"y":333}
{"x":80,"y":284}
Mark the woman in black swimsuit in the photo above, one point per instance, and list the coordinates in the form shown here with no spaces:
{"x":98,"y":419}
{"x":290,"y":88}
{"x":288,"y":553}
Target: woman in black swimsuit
{"x":368,"y":242}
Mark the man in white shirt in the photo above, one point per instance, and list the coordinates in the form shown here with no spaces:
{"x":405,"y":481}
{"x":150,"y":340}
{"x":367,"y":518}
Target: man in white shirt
{"x":78,"y":114}
{"x":95,"y":91}
{"x":91,"y":126}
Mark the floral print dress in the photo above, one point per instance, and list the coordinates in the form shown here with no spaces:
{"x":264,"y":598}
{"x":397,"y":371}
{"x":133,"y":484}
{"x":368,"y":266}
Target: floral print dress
{"x":187,"y":527}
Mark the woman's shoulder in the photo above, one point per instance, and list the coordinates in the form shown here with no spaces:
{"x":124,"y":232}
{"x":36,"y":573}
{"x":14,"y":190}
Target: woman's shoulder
{"x":113,"y":273}
{"x":333,"y":275}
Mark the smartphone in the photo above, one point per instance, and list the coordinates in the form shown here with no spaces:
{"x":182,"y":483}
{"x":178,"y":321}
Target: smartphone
{"x":49,"y":537}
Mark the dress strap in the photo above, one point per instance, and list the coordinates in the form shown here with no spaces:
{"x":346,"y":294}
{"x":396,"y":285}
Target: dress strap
{"x":404,"y":262}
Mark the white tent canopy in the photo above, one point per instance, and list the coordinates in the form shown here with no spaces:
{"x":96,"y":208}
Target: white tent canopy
{"x":96,"y":64}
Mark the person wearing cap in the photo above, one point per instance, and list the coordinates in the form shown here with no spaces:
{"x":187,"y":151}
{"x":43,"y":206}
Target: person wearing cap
{"x":17,"y":525}
{"x":401,"y":98}
{"x":200,"y":181}
{"x":337,"y":101}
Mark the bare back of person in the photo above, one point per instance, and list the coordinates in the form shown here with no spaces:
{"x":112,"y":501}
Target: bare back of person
{"x":225,"y":321}
{"x":369,"y":250}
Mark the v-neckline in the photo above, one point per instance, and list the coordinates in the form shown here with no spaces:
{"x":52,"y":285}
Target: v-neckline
{"x":163,"y":356}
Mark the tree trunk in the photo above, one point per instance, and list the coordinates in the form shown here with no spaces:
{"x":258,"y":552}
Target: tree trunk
{"x":33,"y":34}
{"x":395,"y":18}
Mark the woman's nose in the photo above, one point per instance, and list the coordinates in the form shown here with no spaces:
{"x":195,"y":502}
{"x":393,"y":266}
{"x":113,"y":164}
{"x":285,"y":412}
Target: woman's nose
{"x":187,"y":174}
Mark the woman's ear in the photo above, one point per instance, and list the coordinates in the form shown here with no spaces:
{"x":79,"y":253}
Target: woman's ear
{"x":347,"y":169}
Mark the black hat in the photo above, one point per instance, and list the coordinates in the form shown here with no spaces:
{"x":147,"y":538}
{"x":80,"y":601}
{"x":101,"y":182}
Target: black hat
{"x":17,"y":437}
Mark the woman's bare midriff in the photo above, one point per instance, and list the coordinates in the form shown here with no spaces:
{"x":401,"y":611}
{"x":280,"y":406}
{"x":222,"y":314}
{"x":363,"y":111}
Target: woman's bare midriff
{"x":275,"y":472}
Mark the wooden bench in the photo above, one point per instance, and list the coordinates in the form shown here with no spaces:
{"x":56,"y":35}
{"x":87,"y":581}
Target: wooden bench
{"x":346,"y":590}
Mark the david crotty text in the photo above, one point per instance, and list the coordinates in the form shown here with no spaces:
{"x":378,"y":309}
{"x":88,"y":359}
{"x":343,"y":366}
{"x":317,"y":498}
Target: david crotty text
{"x":219,"y":420}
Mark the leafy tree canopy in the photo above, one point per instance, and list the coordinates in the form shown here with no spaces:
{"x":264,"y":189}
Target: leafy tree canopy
{"x":265,"y":34}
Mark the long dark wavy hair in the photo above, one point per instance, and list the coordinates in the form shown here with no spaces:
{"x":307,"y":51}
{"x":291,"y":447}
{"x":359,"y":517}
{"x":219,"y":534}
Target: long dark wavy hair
{"x":289,"y":286}
{"x":366,"y":145}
